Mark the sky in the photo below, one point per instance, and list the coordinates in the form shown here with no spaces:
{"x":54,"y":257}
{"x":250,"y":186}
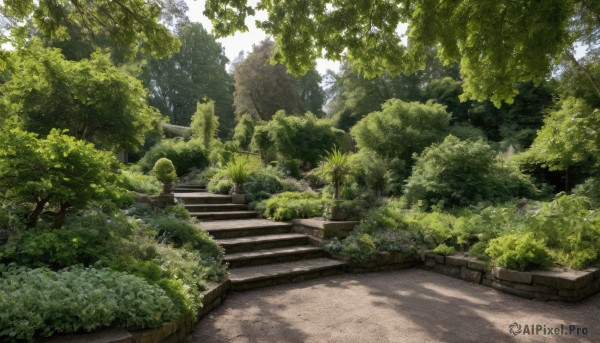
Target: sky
{"x":243,"y":41}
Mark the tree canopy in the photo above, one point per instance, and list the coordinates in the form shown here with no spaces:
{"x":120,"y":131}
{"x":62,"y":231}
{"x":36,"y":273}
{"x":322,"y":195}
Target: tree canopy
{"x":130,"y":25}
{"x":92,"y":98}
{"x":498,"y":43}
{"x":197,"y":71}
{"x":261,"y":89}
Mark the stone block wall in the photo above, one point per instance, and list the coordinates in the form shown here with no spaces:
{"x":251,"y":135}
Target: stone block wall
{"x":557,"y":285}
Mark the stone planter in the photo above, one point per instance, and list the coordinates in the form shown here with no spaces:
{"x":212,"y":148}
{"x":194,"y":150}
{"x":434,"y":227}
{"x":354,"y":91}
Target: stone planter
{"x":167,"y":188}
{"x":239,"y":198}
{"x":337,"y":214}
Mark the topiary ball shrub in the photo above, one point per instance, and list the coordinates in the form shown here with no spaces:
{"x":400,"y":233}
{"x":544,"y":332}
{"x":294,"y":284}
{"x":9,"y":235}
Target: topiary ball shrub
{"x":164,"y":171}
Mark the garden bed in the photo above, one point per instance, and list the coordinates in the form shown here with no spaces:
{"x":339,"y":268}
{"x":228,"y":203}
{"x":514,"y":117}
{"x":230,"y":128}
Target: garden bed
{"x":557,"y":285}
{"x":172,"y":332}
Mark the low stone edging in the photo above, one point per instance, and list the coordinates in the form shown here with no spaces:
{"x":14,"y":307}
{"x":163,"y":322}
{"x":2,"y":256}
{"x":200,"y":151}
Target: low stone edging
{"x":385,"y":261}
{"x":566,"y":286}
{"x":172,"y":332}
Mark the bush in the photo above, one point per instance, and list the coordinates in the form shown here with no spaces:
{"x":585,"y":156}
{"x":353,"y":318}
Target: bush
{"x":519,"y":251}
{"x":590,"y":189}
{"x":164,"y":170}
{"x":184,"y":155}
{"x":220,"y":183}
{"x":290,"y":205}
{"x":302,"y":138}
{"x":183,"y":233}
{"x":43,"y":302}
{"x":445,"y":250}
{"x":461,"y":173}
{"x":140,"y":183}
{"x":58,"y":171}
{"x":401,"y":128}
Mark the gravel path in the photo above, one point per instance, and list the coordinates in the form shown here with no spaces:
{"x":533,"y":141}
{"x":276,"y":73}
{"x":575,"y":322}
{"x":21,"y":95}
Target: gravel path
{"x":397,"y":306}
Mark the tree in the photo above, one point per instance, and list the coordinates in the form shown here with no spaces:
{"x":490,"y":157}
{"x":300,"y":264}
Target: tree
{"x":131,"y":25}
{"x":197,"y":71}
{"x":498,"y":43}
{"x":58,"y":172}
{"x":205,"y":123}
{"x":244,"y":130}
{"x":92,"y":98}
{"x":570,"y":135}
{"x":401,"y":129}
{"x":261,"y":89}
{"x":353,"y":95}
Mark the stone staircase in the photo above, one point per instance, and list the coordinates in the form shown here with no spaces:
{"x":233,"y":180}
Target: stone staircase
{"x":259,"y":252}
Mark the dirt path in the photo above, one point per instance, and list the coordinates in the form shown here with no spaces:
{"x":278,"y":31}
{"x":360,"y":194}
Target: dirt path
{"x":398,"y":306}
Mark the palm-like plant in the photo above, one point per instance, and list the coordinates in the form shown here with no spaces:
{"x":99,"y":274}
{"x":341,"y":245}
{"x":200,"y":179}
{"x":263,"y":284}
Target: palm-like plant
{"x":335,"y":169}
{"x":239,"y":171}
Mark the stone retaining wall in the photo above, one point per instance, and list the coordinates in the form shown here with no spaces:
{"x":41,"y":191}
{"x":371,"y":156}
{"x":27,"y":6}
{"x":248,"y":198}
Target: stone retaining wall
{"x":324,"y":229}
{"x":171,"y":332}
{"x":568,"y":286}
{"x":385,"y":261}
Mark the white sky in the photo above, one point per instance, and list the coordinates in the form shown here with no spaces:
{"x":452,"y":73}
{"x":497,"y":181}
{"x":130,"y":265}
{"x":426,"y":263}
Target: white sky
{"x":243,"y":41}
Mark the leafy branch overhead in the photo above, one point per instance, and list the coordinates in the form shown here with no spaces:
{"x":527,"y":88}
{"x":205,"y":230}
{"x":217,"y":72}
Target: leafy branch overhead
{"x":498,"y":43}
{"x":133,"y":25}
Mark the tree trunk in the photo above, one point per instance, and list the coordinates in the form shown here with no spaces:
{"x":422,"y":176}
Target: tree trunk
{"x":59,"y":218}
{"x":33,"y":217}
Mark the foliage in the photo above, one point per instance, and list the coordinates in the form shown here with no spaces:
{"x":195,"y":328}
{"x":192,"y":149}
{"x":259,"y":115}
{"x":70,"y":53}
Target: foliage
{"x":372,"y":171}
{"x":243,"y":132}
{"x":59,"y":171}
{"x":184,"y":155}
{"x":183,"y":233}
{"x":569,"y":136}
{"x":220,"y":183}
{"x":238,"y":170}
{"x":197,"y":71}
{"x":205,"y":123}
{"x":297,"y":137}
{"x":590,"y":189}
{"x":43,"y":302}
{"x":164,"y":170}
{"x":267,"y":181}
{"x":497,"y":45}
{"x":335,"y":169}
{"x":443,"y":249}
{"x":47,"y":92}
{"x":290,"y":205}
{"x":141,"y":183}
{"x":262,"y":89}
{"x":401,"y":129}
{"x":457,"y":172}
{"x":132,"y":25}
{"x":519,"y":251}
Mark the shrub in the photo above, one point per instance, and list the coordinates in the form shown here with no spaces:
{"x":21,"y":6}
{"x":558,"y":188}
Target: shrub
{"x":459,"y":173}
{"x":244,"y":130}
{"x":184,"y":155}
{"x":220,"y":183}
{"x":296,"y":137}
{"x":519,"y":251}
{"x":164,"y":170}
{"x":140,"y":183}
{"x":58,"y":171}
{"x":43,"y":302}
{"x":590,"y":189}
{"x":289,"y":205}
{"x":183,"y":233}
{"x":401,"y":128}
{"x":445,"y":250}
{"x":334,"y":169}
{"x":238,"y":170}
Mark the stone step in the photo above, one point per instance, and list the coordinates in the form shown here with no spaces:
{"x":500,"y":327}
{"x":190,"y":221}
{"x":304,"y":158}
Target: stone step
{"x":215,"y":207}
{"x":189,"y":185}
{"x":202,"y":198}
{"x":224,"y":215}
{"x":253,"y":243}
{"x":269,"y":256}
{"x":272,"y":274}
{"x":244,"y":227}
{"x":188,"y":190}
